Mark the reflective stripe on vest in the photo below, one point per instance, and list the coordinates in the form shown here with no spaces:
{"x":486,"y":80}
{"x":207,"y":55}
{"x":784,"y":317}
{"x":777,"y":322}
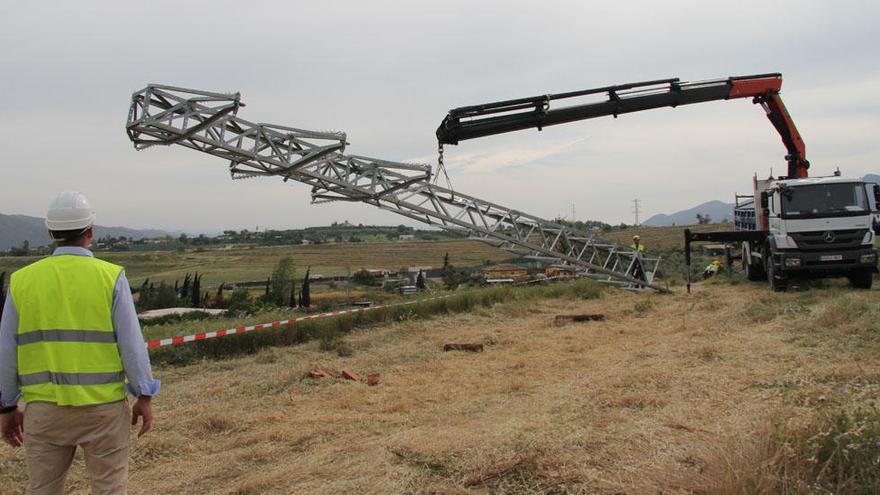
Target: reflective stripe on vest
{"x":67,"y":352}
{"x":70,"y":378}
{"x":65,"y":336}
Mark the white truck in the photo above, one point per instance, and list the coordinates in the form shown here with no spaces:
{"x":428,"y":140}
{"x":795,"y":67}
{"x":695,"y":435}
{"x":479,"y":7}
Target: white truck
{"x":809,"y":228}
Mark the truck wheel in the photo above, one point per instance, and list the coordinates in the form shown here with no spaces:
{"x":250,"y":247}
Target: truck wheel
{"x":776,"y":284}
{"x":754,"y":273}
{"x":861,"y":279}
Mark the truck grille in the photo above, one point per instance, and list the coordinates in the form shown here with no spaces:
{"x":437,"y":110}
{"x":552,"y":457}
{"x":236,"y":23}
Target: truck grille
{"x":829,"y":239}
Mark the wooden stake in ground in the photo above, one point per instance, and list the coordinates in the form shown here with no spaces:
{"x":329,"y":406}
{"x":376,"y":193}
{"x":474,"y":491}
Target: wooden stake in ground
{"x":565,"y":319}
{"x":463,"y":347}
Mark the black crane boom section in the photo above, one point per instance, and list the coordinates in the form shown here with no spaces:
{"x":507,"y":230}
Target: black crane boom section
{"x":535,"y":112}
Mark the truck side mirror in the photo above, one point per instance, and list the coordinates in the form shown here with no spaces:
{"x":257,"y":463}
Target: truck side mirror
{"x":877,"y":197}
{"x":764,"y":200}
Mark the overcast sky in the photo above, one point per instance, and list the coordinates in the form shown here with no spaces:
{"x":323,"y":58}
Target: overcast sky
{"x":387,"y":72}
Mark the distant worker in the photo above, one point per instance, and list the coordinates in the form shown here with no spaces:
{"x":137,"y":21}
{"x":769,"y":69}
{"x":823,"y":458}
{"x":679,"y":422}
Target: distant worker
{"x":69,"y":338}
{"x":712,"y":269}
{"x":637,"y":244}
{"x":636,"y":270}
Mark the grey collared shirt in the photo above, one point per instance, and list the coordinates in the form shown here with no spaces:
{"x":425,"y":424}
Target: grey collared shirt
{"x":126,"y":328}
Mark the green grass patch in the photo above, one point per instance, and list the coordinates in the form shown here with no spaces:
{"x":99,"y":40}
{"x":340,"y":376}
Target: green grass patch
{"x":329,"y":330}
{"x":838,"y":452}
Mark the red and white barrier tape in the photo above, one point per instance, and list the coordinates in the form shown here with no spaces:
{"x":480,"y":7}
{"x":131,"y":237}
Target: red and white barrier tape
{"x":237,"y":330}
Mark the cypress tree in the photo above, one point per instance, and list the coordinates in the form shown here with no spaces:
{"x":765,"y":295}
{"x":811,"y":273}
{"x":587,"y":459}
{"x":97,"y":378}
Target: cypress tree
{"x":305,"y":298}
{"x":450,"y":278}
{"x":196,"y":290}
{"x":184,"y":290}
{"x":218,"y":300}
{"x":145,"y":294}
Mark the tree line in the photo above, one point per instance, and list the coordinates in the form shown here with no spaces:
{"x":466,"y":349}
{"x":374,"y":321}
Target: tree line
{"x":280,"y":291}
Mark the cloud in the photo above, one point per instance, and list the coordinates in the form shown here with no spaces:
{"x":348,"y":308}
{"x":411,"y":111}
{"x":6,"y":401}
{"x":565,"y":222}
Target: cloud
{"x":387,"y":72}
{"x":522,"y":155}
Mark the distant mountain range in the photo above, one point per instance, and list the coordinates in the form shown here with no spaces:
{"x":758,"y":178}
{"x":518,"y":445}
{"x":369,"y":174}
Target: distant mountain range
{"x":718,"y":212}
{"x":15,"y":229}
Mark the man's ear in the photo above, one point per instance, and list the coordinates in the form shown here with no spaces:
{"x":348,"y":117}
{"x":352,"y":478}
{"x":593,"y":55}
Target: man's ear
{"x":89,"y":233}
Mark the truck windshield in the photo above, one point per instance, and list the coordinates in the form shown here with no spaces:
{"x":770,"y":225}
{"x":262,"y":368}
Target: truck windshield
{"x":824,"y":200}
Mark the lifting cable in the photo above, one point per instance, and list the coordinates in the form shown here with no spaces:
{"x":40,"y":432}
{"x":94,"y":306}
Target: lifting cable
{"x":441,"y":167}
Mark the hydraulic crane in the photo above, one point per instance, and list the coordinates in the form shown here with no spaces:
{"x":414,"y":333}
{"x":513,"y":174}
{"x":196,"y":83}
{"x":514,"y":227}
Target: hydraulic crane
{"x":535,"y":112}
{"x":763,"y":251}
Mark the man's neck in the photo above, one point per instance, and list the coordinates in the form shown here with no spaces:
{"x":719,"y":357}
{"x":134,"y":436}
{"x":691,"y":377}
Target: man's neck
{"x":84,"y":245}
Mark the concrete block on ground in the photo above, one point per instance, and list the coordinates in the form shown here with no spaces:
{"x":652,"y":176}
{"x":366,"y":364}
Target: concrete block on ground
{"x":373,"y":379}
{"x":319,"y":373}
{"x":348,"y":375}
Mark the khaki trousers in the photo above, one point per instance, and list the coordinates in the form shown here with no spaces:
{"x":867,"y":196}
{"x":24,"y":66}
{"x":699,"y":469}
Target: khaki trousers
{"x":52,"y":433}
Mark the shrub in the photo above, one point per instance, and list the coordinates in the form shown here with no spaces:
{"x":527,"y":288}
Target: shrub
{"x":336,"y":344}
{"x":846,"y":451}
{"x":160,"y":297}
{"x":282,"y":282}
{"x":363,"y":277}
{"x":174,"y":318}
{"x":240,"y":301}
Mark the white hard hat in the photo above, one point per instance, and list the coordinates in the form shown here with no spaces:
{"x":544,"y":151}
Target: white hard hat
{"x":70,"y":211}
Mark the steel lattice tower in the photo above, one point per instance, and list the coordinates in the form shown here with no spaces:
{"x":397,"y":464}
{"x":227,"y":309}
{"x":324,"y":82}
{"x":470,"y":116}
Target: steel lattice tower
{"x":208,"y":122}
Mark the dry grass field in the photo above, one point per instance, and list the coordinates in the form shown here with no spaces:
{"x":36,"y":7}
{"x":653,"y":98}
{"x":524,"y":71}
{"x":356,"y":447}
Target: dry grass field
{"x":663,"y":238}
{"x":717,"y":392}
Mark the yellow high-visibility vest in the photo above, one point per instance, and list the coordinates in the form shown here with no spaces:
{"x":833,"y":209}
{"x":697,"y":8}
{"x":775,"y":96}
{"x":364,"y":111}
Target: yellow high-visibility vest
{"x":67,"y":352}
{"x":640,"y":247}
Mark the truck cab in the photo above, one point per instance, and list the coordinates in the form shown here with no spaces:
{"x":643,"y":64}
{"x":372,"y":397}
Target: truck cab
{"x":816,"y":227}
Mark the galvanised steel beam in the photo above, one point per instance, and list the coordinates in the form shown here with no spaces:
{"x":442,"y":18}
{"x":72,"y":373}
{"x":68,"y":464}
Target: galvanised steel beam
{"x":208,"y":122}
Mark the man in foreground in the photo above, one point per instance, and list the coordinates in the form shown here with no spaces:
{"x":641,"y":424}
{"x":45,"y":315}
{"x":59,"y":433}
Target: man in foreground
{"x":69,"y":337}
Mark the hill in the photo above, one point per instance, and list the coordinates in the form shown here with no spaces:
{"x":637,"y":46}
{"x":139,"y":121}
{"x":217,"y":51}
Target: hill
{"x":15,"y":229}
{"x":718,"y":211}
